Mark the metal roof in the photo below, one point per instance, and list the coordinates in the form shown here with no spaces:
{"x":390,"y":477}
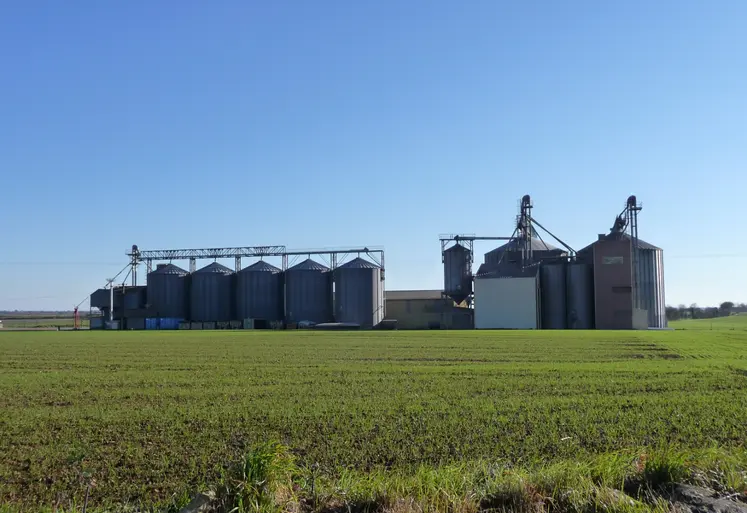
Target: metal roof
{"x":309,"y":265}
{"x":359,"y":263}
{"x":216,"y":268}
{"x":517,"y":245}
{"x":261,"y":266}
{"x":457,"y":247}
{"x":169,"y":269}
{"x":642,"y":244}
{"x":411,"y":294}
{"x":505,"y":271}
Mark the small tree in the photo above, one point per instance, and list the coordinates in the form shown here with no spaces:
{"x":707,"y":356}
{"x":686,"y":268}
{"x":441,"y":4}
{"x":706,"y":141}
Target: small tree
{"x":694,"y":311}
{"x":726,"y":307}
{"x":673,"y":314}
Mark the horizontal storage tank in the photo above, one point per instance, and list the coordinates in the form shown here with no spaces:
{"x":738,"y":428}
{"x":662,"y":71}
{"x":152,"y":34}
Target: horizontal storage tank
{"x":359,"y":293}
{"x":259,"y":292}
{"x":457,"y":273}
{"x":212,"y":294}
{"x":308,"y":293}
{"x":553,"y":296}
{"x":580,"y":288}
{"x":167,"y":291}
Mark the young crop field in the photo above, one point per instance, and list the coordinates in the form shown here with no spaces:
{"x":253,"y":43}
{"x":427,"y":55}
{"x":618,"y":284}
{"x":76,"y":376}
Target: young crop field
{"x":155,"y":416}
{"x":731,"y":322}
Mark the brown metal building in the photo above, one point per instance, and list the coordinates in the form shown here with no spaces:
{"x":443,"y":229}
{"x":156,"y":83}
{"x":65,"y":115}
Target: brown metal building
{"x":614,"y":299}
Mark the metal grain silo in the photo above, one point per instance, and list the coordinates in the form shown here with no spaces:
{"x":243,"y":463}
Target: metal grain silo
{"x":308,"y":293}
{"x":457,"y":273}
{"x":167,"y":292}
{"x":553,"y":295}
{"x":212,"y":288}
{"x":511,"y":252}
{"x":359,"y":294}
{"x":259,"y":292}
{"x":580,"y":296}
{"x":650,"y":266}
{"x":134,"y":297}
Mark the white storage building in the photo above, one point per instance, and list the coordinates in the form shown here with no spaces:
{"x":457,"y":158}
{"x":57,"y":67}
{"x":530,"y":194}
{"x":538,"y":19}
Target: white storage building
{"x":507,"y":298}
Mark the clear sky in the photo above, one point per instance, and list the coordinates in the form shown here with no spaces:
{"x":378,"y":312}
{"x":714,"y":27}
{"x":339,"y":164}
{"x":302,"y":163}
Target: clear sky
{"x":336,"y":123}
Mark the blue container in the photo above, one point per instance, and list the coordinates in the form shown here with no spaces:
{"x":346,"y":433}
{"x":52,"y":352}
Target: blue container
{"x":151,"y":324}
{"x":169,"y":323}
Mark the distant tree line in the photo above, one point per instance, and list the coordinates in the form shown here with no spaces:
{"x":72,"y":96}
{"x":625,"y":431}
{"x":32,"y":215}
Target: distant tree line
{"x":675,"y":313}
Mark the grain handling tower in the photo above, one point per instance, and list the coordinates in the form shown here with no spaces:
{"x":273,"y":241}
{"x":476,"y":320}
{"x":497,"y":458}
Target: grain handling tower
{"x":523,"y":248}
{"x":628,"y":275}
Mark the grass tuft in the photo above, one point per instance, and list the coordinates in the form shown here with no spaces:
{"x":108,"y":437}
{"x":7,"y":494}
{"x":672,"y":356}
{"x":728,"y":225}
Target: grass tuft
{"x":260,"y":483}
{"x":664,"y":468}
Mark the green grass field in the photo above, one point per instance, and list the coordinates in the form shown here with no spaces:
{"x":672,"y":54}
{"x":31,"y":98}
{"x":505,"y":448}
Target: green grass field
{"x":41,"y":322}
{"x":732,"y":322}
{"x":154,"y":416}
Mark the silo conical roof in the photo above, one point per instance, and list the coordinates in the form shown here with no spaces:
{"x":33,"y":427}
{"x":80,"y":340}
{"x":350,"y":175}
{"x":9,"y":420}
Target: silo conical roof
{"x":642,"y":244}
{"x":169,"y":269}
{"x":309,"y":265}
{"x":261,"y":266}
{"x":359,"y":263}
{"x":517,"y":245}
{"x":215,"y":267}
{"x":457,"y":247}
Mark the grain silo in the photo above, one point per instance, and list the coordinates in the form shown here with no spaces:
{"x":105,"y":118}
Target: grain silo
{"x":212,"y":288}
{"x":167,"y":292}
{"x":650,"y":265}
{"x":308,"y":293}
{"x":359,"y":293}
{"x":580,"y":296}
{"x":135,"y":297}
{"x":511,"y":252}
{"x":553,"y":295}
{"x":457,"y":262}
{"x":259,"y":292}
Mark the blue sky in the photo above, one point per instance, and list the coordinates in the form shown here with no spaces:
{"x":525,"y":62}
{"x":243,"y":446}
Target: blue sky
{"x":335,"y":123}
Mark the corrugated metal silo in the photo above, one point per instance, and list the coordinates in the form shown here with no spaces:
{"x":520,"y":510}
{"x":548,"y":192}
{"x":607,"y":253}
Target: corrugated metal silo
{"x":134,"y":297}
{"x":308,"y":293}
{"x":167,"y":291}
{"x":650,"y":267}
{"x":359,"y":294}
{"x":580,"y":294}
{"x":511,"y":252}
{"x":259,"y":292}
{"x":553,"y":296}
{"x":457,"y":273}
{"x":212,"y":288}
